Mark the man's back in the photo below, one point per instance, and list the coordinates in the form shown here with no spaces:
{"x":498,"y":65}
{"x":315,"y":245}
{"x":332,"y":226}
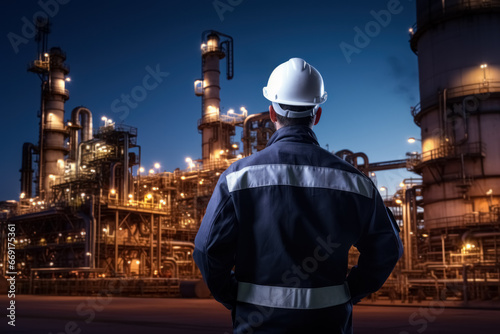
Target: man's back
{"x":297,"y":211}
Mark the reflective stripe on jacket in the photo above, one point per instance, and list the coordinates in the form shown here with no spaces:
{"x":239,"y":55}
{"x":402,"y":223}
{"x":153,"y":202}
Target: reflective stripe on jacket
{"x":284,"y":219}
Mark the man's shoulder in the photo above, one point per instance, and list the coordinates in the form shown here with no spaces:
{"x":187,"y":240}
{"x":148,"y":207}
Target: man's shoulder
{"x":318,"y":157}
{"x":257,"y":158}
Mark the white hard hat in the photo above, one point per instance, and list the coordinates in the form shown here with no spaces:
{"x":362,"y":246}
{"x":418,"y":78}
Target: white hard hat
{"x":295,"y":83}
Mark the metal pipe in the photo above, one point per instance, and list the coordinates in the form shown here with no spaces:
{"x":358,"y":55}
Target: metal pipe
{"x":117,"y":216}
{"x":407,"y":218}
{"x":365,"y":166}
{"x":112,"y":175}
{"x":151,"y":253}
{"x":478,"y":234}
{"x":159,"y":244}
{"x":88,"y":233}
{"x":91,"y":234}
{"x":39,"y":190}
{"x":180,"y":243}
{"x":78,"y":159}
{"x":443,"y":236}
{"x":466,"y":127}
{"x":86,"y":131}
{"x":465,"y":285}
{"x":174,"y":263}
{"x":125,"y":184}
{"x":436,"y":283}
{"x":97,"y":231}
{"x":343,"y":154}
{"x":485,"y":234}
{"x":247,"y":123}
{"x":413,"y":224}
{"x":445,"y":128}
{"x":27,"y":169}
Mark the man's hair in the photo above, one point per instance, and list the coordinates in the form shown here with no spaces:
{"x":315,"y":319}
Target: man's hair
{"x":286,"y":121}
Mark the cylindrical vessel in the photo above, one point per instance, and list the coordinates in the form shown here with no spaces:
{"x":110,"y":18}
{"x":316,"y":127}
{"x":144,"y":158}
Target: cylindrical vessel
{"x":216,"y":134}
{"x":54,"y":133}
{"x":459,"y":112}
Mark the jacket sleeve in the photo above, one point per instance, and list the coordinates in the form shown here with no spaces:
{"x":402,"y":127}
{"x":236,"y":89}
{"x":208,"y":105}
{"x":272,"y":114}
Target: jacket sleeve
{"x":215,"y":245}
{"x":380,"y":249}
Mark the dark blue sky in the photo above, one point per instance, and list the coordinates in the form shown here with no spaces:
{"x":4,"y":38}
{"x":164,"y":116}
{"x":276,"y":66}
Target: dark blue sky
{"x":110,"y":45}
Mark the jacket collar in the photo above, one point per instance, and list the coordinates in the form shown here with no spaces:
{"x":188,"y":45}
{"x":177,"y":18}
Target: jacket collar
{"x":294,"y":133}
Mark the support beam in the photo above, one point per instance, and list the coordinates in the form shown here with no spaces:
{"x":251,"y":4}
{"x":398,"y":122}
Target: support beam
{"x":117,"y":216}
{"x":159,"y":245}
{"x":151,"y":254}
{"x":387,"y":165}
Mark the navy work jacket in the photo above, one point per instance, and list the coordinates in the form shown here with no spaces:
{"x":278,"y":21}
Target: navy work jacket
{"x":273,"y":244}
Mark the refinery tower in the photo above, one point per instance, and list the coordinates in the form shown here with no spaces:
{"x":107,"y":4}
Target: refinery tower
{"x":456,"y":243}
{"x":89,"y":214}
{"x":89,"y":211}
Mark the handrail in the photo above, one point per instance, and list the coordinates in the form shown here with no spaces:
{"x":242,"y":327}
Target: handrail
{"x":464,"y":220}
{"x":475,"y":89}
{"x":234,"y":119}
{"x":451,"y":151}
{"x":437,"y":11}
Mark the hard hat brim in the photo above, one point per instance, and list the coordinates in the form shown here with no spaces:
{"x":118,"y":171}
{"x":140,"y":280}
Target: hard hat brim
{"x":295,"y":114}
{"x":317,"y":101}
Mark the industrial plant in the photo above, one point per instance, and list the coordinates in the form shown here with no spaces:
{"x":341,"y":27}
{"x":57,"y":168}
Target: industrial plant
{"x":89,"y":213}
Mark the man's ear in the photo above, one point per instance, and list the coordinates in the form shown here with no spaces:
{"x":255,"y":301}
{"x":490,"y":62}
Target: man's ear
{"x":318,"y":116}
{"x":272,"y":114}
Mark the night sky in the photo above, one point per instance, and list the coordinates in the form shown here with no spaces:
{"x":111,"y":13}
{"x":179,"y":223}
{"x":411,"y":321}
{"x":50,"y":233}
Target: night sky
{"x":371,"y":80}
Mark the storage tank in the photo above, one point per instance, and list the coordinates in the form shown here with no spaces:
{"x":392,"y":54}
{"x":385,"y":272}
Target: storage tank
{"x":459,"y":111}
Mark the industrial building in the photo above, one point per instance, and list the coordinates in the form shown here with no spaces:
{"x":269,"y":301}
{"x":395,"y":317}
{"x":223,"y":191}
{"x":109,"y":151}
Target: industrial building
{"x":89,"y":213}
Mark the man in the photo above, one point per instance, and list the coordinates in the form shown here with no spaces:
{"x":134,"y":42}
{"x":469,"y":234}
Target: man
{"x":285,"y":218}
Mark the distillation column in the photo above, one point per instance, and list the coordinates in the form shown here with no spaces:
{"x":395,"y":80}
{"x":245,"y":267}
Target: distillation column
{"x":459,"y":113}
{"x":216,"y":134}
{"x":53,"y":131}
